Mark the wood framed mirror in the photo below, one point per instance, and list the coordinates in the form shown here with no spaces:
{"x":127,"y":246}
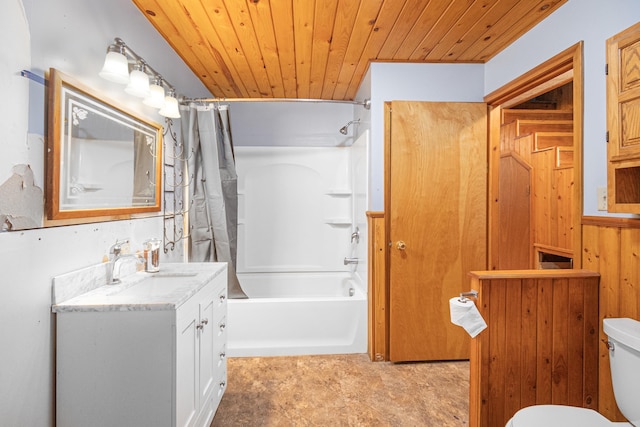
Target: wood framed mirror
{"x":102,"y":160}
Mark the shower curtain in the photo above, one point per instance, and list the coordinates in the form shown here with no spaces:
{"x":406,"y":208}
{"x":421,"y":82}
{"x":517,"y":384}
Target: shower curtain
{"x":213,"y":194}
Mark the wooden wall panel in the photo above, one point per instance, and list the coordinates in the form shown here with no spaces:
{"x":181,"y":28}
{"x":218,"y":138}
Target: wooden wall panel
{"x":541,"y":344}
{"x":529,"y":347}
{"x":544,"y":349}
{"x":611,"y":247}
{"x":377,"y":289}
{"x":542,"y":163}
{"x":630,"y":272}
{"x":563,"y":189}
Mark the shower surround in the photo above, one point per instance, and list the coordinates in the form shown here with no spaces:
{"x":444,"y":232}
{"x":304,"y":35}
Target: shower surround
{"x":297,"y":210}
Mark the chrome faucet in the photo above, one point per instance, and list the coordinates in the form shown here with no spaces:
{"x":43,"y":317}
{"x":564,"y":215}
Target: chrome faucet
{"x":356,"y":235}
{"x":116,"y":251}
{"x":348,"y":261}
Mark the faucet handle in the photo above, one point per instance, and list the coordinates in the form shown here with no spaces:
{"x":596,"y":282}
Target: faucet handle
{"x":116,"y":248}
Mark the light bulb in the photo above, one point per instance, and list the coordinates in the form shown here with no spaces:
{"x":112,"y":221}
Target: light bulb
{"x":116,"y":66}
{"x":170,"y":108}
{"x":156,"y":94}
{"x":138,"y":82}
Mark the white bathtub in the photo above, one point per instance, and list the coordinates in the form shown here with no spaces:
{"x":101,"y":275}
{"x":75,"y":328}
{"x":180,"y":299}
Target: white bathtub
{"x":297,"y":314}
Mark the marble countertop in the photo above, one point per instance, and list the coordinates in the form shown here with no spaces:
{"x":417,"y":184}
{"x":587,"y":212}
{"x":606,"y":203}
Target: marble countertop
{"x":174,"y":284}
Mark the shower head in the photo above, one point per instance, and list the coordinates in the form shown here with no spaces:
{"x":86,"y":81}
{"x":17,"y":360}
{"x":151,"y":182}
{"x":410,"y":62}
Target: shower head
{"x":344,"y":129}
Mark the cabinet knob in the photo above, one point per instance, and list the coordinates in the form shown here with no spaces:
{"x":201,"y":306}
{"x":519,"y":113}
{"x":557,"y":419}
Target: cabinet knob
{"x":401,"y":245}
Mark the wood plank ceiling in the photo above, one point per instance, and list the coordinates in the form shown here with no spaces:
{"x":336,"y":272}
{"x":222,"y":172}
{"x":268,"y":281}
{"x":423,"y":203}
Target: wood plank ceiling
{"x":321,"y":49}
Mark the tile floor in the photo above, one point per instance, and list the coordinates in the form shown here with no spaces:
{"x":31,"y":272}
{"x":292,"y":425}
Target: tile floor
{"x":343,"y":390}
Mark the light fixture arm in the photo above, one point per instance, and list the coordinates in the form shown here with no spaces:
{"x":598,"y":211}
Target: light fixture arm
{"x":130,"y":53}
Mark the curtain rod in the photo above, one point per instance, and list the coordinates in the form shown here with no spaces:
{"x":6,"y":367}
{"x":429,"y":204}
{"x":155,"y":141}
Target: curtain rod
{"x":366,"y":103}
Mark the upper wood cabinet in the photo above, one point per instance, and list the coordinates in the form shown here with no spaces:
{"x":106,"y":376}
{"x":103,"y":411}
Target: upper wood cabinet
{"x":623,"y":121}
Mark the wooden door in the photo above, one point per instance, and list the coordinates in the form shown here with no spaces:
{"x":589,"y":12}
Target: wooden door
{"x":514,"y":206}
{"x":436,"y":204}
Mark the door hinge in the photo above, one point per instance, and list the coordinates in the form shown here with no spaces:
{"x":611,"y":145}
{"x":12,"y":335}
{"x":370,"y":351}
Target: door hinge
{"x":607,"y":136}
{"x":606,"y":69}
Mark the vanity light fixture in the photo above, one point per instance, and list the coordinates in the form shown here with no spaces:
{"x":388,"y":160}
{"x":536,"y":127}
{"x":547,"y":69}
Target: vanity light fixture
{"x":116,"y":69}
{"x":156,"y":94}
{"x":170,"y":108}
{"x":138,"y":81}
{"x":116,"y":65}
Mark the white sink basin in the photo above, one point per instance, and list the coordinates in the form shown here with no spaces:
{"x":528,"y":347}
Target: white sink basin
{"x":159,"y":285}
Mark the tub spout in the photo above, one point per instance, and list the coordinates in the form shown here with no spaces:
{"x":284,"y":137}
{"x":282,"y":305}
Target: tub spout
{"x":348,"y":261}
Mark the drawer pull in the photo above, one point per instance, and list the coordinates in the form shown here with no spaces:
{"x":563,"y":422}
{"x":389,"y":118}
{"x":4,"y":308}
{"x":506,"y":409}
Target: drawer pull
{"x":222,"y":355}
{"x":199,"y":326}
{"x":205,"y":321}
{"x":222,"y":298}
{"x":222,"y":384}
{"x":222,"y":326}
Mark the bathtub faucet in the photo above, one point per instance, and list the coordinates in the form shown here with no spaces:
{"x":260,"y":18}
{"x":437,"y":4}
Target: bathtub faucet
{"x":348,"y":261}
{"x":356,"y":235}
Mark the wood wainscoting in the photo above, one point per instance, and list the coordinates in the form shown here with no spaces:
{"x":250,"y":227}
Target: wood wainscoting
{"x":611,"y":246}
{"x":377,"y":289}
{"x":540,"y":345}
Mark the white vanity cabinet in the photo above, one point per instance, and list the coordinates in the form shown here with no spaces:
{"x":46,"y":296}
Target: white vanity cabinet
{"x":200,"y":356}
{"x":136,"y":363}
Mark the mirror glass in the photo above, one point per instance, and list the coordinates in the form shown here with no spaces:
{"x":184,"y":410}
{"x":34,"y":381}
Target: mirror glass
{"x":102,"y":160}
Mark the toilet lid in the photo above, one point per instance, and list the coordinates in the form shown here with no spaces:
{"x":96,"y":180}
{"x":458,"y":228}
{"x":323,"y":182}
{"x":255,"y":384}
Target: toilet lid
{"x":557,"y":415}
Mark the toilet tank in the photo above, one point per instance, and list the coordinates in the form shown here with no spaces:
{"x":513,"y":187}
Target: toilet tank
{"x":624,"y":358}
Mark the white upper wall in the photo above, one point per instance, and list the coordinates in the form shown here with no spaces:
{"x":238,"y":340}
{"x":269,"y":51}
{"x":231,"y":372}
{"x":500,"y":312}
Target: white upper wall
{"x":71,"y":35}
{"x":592,"y":21}
{"x":84,"y":28}
{"x":15,"y":89}
{"x":412,"y":82}
{"x":302,"y":124}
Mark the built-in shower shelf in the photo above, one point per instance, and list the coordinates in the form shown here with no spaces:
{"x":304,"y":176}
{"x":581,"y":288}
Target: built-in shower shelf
{"x":339,"y":193}
{"x":338,"y":221}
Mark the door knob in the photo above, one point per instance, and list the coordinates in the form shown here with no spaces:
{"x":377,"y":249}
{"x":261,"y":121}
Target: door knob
{"x":401,"y":245}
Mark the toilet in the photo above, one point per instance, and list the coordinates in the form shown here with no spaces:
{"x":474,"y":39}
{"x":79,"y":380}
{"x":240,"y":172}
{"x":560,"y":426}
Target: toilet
{"x":624,"y":358}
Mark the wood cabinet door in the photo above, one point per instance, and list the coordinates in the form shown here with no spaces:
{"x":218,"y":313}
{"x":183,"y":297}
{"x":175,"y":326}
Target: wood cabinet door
{"x":436,"y":203}
{"x":623,"y":121}
{"x":208,"y":333}
{"x":187,"y":404}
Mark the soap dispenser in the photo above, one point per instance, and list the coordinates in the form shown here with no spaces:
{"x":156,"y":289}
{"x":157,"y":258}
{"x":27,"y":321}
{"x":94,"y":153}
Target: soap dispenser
{"x":152,"y":255}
